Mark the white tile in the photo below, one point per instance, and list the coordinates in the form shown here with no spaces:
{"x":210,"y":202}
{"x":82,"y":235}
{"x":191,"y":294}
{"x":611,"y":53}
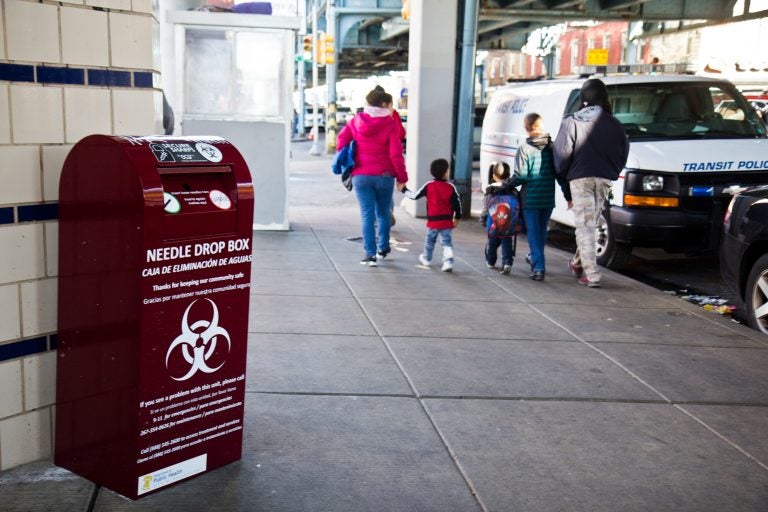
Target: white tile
{"x":131,"y":40}
{"x":25,"y":438}
{"x":23,"y":252}
{"x":142,"y":6}
{"x":38,"y":307}
{"x":78,"y":46}
{"x":51,"y":248}
{"x":2,"y":33}
{"x":10,"y":383}
{"x":37,"y":114}
{"x":5,"y":111}
{"x":86,"y":111}
{"x":53,"y":162}
{"x":32,"y":31}
{"x":39,"y":380}
{"x":123,"y":5}
{"x":133,"y":112}
{"x":10,"y":319}
{"x":20,"y":174}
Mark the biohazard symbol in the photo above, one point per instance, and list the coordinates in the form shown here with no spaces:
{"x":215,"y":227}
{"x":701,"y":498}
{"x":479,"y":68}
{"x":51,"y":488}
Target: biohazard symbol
{"x":197,"y":347}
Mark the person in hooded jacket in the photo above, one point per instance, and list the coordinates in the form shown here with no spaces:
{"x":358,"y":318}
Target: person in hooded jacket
{"x":590,"y":151}
{"x":379,"y":163}
{"x":535,"y":171}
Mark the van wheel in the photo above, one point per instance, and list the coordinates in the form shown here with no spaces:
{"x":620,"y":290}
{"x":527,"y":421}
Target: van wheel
{"x":757,"y":295}
{"x":610,"y":253}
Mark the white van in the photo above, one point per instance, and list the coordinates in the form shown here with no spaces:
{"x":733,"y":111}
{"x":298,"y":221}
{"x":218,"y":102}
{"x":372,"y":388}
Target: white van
{"x":686,"y":159}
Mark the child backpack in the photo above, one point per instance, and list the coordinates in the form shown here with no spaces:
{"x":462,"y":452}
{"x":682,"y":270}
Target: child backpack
{"x":504,"y":219}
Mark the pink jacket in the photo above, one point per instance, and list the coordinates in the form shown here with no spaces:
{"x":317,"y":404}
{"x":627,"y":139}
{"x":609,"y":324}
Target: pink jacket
{"x":379,"y":145}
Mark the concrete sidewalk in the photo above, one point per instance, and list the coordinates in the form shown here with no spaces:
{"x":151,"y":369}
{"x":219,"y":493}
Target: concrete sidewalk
{"x":401,"y":388}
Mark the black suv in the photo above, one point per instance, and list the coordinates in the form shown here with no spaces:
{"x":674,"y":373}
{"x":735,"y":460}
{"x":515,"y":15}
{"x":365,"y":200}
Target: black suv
{"x":744,"y":253}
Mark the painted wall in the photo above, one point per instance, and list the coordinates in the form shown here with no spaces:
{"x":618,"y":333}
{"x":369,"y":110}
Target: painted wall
{"x":67,"y":69}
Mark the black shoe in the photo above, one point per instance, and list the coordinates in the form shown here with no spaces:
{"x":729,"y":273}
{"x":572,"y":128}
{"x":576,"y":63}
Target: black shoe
{"x":537,"y":276}
{"x":369,"y":260}
{"x":380,"y":255}
{"x":528,"y":261}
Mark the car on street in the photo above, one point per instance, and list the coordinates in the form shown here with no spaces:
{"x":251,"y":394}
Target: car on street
{"x":744,"y":254}
{"x":308,"y":118}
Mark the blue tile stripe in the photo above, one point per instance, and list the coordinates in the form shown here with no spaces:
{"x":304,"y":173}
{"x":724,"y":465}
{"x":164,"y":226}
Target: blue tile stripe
{"x":6,"y":215}
{"x":142,"y":79}
{"x":108,"y":77}
{"x":51,"y":75}
{"x":17,"y":72}
{"x":37,"y":212}
{"x":46,"y":74}
{"x":23,"y":348}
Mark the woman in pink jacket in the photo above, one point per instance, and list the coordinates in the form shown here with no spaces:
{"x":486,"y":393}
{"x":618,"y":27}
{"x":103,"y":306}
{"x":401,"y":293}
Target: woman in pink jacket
{"x":378,"y":163}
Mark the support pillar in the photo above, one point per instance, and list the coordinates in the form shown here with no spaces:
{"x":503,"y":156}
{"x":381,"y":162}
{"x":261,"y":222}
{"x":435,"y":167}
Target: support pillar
{"x":432,"y":66}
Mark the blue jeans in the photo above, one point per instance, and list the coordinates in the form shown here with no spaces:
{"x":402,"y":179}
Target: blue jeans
{"x":445,"y":239}
{"x":374,"y":193}
{"x":536,"y":220}
{"x":492,"y":249}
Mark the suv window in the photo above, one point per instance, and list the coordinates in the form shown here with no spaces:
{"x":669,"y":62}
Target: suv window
{"x":683,"y":110}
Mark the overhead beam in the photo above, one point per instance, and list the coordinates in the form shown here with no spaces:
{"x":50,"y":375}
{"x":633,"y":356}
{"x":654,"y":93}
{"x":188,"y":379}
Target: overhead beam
{"x":374,"y":11}
{"x":370,"y":22}
{"x":558,"y":16}
{"x":619,"y":4}
{"x":564,"y":4}
{"x":498,"y":25}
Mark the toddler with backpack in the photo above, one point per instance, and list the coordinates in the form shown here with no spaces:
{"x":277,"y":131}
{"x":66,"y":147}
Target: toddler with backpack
{"x":501,"y":218}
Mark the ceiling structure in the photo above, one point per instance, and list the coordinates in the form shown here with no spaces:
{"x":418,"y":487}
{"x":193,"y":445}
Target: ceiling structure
{"x":372,"y":37}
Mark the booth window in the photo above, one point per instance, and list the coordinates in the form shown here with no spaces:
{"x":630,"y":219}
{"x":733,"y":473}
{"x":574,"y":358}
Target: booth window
{"x":233,"y":72}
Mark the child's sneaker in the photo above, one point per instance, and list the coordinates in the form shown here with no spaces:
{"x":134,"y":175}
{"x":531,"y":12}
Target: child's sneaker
{"x":424,"y":261}
{"x":369,"y":260}
{"x":447,"y":266}
{"x":506,"y":269}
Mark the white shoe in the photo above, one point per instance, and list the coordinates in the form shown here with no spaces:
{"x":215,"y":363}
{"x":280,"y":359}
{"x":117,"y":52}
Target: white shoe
{"x":447,"y":267}
{"x":424,"y":261}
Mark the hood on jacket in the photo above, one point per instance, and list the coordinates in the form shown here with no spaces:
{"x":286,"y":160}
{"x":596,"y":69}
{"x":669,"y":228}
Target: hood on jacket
{"x":588,"y":114}
{"x":540,"y":141}
{"x":368,"y":126}
{"x":505,"y":187}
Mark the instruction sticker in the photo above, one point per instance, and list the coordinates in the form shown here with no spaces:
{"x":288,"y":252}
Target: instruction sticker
{"x":220,"y":199}
{"x":170,"y":203}
{"x":185,"y":152}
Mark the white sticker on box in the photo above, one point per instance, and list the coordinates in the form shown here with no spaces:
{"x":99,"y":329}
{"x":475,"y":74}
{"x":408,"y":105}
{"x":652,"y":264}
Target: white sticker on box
{"x":220,"y":199}
{"x":172,"y":474}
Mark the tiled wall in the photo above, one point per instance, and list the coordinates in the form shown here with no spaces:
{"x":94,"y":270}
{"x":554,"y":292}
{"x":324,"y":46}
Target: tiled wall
{"x":68,"y":69}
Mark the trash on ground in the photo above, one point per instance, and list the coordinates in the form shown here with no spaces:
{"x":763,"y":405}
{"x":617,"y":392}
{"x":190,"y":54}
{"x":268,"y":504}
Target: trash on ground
{"x":708,"y":302}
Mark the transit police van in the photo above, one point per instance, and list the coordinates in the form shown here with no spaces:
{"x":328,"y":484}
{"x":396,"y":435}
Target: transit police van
{"x":694,"y":142}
